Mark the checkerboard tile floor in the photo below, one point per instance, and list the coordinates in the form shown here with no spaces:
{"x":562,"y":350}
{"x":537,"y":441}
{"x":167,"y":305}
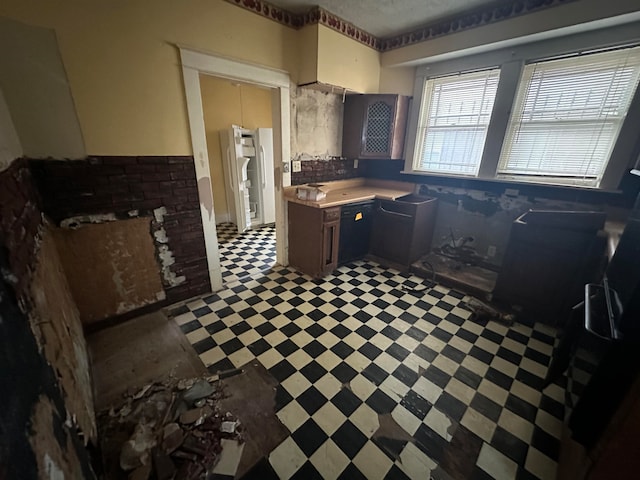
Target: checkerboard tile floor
{"x":245,"y":254}
{"x":356,"y":349}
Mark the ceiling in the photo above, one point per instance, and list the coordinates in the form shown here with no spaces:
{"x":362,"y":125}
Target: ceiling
{"x":388,"y":17}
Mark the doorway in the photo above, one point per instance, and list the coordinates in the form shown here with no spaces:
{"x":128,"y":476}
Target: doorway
{"x":241,"y":111}
{"x":195,"y":64}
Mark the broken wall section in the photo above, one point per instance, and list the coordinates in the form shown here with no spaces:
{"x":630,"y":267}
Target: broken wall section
{"x":115,"y":258}
{"x":481,"y":220}
{"x":485,"y":210}
{"x":43,"y":359}
{"x":111,"y":189}
{"x":316,"y":137}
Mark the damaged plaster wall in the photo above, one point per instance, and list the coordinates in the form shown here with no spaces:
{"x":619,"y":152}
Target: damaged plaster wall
{"x":316,"y":124}
{"x":484,"y":218}
{"x":120,"y":256}
{"x":44,"y":369}
{"x":55,"y":322}
{"x":163,"y":188}
{"x":38,"y":439}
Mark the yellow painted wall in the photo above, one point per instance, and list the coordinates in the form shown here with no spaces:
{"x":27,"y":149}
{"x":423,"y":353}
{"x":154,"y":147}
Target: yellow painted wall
{"x":397,"y":80}
{"x":347,"y":63}
{"x":124,"y":68}
{"x":308,"y":54}
{"x":124,"y":73}
{"x":224,"y":104}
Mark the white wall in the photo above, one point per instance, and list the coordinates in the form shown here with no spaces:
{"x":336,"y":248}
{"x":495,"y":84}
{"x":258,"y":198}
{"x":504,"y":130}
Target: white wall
{"x":37,"y":93}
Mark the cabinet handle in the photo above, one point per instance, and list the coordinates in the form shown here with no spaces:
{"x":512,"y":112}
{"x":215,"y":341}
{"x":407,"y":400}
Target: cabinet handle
{"x":397,"y":214}
{"x":329,"y":234}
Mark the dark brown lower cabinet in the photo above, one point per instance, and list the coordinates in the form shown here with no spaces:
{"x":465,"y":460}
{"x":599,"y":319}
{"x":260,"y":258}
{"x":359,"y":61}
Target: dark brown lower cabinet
{"x":314,"y":235}
{"x":549,"y":259}
{"x":403,"y":228}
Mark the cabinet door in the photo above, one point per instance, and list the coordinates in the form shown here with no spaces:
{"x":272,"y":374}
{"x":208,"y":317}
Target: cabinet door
{"x":392,"y":234}
{"x":330,"y":245}
{"x":377,"y":132}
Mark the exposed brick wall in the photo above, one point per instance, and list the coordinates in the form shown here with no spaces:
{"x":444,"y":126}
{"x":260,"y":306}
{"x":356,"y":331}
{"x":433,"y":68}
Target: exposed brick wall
{"x":326,"y":171}
{"x":20,"y":221}
{"x":119,"y":185}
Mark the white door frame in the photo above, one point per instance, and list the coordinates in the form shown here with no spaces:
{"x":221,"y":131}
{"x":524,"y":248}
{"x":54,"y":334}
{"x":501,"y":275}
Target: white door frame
{"x":193,"y":64}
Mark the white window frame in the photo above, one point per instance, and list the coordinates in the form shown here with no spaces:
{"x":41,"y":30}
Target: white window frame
{"x":511,"y":61}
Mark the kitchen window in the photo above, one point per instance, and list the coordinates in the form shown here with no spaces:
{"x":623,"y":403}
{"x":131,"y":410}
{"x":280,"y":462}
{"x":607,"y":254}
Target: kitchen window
{"x":454,"y":125}
{"x":567,"y":116}
{"x":565,"y":120}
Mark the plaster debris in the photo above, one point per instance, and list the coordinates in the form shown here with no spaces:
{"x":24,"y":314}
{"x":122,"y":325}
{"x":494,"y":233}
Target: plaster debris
{"x":161,"y":236}
{"x":172,"y":437}
{"x":136,"y":451}
{"x":143,"y":391}
{"x":228,"y":427}
{"x":160,"y":447}
{"x":74,"y":223}
{"x":484,"y":312}
{"x":166,"y":258}
{"x":195,"y":415}
{"x":159,"y":214}
{"x":200,"y":389}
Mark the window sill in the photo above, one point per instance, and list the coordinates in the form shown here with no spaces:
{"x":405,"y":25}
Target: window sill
{"x":510,"y":182}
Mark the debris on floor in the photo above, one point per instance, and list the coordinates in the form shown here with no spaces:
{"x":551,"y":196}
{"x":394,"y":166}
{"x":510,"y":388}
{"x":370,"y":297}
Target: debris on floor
{"x":484,"y":312}
{"x":171,"y":430}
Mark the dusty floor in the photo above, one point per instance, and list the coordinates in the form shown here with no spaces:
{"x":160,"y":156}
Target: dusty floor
{"x":152,"y":349}
{"x":146,"y":349}
{"x":354,"y":376}
{"x":380,"y":379}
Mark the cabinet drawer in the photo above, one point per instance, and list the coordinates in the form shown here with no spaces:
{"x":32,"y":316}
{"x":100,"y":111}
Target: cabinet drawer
{"x":331,"y":214}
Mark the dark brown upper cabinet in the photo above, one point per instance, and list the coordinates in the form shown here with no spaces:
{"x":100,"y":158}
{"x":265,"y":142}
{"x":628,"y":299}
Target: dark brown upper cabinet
{"x":374,"y":126}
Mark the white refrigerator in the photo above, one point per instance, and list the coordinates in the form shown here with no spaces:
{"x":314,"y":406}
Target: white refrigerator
{"x":249,"y":177}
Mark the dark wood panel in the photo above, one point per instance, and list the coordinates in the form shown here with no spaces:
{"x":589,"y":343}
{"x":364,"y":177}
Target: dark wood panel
{"x":359,"y":127}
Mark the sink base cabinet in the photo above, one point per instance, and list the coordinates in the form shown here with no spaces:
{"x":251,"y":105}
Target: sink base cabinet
{"x":402,"y":232}
{"x":314,"y":236}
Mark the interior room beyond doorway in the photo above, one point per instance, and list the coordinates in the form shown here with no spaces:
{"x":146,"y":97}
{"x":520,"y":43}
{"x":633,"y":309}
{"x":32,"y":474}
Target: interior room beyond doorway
{"x":226,"y":103}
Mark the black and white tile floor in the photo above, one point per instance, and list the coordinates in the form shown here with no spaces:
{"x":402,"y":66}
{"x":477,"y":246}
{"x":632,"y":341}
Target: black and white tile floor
{"x":246,"y":254}
{"x":356,"y":349}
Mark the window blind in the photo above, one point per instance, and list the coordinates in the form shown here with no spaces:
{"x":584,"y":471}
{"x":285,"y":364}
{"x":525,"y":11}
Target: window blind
{"x":567,"y":115}
{"x":453,"y":126}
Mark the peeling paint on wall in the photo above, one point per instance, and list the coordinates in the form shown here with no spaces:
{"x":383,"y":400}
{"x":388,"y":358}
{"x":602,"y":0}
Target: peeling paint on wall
{"x":40,"y":418}
{"x":132,"y":187}
{"x":78,"y":221}
{"x":56,"y":458}
{"x":55,"y":322}
{"x":112,"y":267}
{"x":483,"y":219}
{"x":316,"y":124}
{"x":206,"y":197}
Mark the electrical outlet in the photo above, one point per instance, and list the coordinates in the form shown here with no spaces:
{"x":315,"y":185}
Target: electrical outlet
{"x":491,"y":251}
{"x":355,"y":163}
{"x":296,"y":166}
